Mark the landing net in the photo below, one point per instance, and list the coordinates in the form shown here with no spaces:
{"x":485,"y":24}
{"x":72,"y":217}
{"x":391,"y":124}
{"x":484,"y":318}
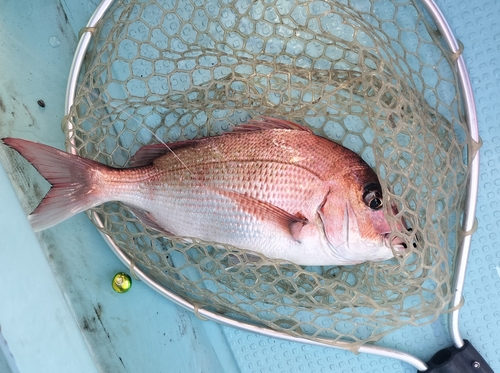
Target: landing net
{"x":373,"y":76}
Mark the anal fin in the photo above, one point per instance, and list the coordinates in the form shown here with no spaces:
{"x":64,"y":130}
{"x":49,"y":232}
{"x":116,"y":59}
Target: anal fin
{"x":146,"y":218}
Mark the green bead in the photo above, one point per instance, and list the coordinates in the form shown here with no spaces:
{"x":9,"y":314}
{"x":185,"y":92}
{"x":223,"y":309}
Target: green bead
{"x":121,"y":282}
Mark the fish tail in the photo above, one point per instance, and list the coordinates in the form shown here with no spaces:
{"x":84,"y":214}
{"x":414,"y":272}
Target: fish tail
{"x":74,"y":180}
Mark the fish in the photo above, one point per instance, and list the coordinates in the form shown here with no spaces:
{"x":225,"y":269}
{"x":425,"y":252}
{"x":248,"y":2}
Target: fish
{"x":269,"y":186}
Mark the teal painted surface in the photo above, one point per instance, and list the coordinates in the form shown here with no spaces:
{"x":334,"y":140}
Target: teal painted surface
{"x":4,"y":367}
{"x":35,"y":320}
{"x":140,"y":331}
{"x":133,"y":332}
{"x":7,"y":362}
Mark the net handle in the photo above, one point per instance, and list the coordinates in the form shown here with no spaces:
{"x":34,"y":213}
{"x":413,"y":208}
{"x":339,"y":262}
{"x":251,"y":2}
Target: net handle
{"x":468,"y":222}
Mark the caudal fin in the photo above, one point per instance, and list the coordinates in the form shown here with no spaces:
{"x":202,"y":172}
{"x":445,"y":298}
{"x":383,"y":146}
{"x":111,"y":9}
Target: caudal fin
{"x":73,"y":178}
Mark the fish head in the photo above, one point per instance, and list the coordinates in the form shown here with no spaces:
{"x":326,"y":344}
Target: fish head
{"x":354,"y":219}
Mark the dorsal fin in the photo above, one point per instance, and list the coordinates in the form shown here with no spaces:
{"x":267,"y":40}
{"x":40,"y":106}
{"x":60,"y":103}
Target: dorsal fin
{"x":263,"y":123}
{"x":148,"y":153}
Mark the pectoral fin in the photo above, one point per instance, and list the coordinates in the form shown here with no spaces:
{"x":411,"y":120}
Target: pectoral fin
{"x":265,"y":211}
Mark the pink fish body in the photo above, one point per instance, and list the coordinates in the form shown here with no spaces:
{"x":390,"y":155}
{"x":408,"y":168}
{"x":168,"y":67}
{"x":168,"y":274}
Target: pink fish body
{"x":270,"y":186}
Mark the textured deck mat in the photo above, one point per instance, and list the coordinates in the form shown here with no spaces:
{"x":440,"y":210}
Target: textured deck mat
{"x":476,"y":24}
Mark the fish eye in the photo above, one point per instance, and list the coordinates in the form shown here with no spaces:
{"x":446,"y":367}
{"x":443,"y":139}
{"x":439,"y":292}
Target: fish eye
{"x":372,"y":196}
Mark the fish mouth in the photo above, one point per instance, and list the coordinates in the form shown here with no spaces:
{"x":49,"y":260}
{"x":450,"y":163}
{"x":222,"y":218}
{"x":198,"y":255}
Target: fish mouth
{"x":397,"y":243}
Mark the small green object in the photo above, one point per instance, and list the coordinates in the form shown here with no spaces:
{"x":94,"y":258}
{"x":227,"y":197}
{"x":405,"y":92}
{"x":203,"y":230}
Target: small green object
{"x":121,"y":282}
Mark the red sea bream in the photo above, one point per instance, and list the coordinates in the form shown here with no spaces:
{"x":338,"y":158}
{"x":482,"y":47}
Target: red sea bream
{"x":270,"y":186}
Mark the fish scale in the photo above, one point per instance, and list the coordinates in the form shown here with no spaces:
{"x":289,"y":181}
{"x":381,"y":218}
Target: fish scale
{"x":255,"y":165}
{"x":275,"y":185}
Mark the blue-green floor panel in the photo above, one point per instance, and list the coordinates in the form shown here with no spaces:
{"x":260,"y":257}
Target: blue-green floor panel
{"x":142,"y":332}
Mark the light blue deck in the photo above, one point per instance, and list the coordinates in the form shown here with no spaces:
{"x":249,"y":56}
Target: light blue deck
{"x":41,"y":312}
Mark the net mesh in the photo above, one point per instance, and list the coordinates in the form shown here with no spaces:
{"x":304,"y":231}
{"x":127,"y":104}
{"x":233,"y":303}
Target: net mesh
{"x":370,"y":75}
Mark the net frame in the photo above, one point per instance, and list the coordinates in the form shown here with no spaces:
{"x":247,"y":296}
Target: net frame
{"x":468,"y":222}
